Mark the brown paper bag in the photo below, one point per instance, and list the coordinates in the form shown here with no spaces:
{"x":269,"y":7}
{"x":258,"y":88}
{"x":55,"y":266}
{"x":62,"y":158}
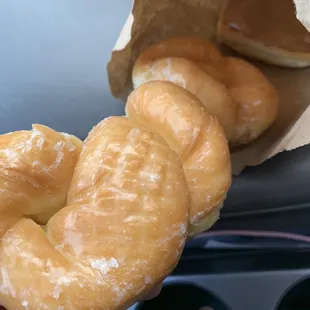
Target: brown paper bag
{"x":151,"y":21}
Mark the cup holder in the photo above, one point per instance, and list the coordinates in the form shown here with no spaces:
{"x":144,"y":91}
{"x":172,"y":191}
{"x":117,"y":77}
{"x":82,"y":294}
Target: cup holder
{"x":297,"y":296}
{"x":183,"y":296}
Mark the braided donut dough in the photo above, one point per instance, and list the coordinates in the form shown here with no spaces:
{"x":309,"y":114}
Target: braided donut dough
{"x":231,"y":89}
{"x":139,"y":184}
{"x":36,"y":170}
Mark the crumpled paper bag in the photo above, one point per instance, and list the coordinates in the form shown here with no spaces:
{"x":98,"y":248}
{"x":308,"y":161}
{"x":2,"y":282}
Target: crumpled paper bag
{"x":151,"y":21}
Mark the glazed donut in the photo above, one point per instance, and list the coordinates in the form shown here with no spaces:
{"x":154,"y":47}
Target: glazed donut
{"x":195,"y":136}
{"x":36,"y":170}
{"x":134,"y":192}
{"x":279,"y":40}
{"x":231,"y":89}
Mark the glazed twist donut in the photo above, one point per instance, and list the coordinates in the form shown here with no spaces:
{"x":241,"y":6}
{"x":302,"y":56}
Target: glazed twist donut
{"x":36,"y":168}
{"x":138,"y":186}
{"x":231,"y":89}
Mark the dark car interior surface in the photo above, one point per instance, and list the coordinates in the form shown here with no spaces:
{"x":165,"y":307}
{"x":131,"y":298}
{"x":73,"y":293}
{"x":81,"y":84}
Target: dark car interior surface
{"x":53,"y":60}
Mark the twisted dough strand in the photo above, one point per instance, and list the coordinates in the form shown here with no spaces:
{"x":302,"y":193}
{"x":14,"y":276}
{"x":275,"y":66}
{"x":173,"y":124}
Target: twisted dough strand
{"x":138,"y":181}
{"x":36,"y":168}
{"x":231,"y":89}
{"x":196,"y":137}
